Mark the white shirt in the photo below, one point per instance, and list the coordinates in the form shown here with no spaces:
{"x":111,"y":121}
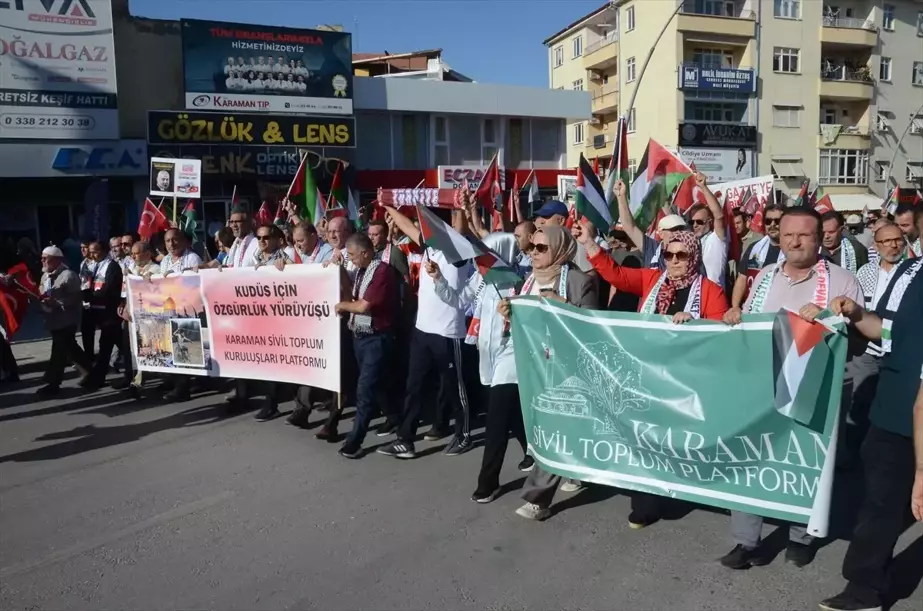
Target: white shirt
{"x":232,"y":83}
{"x":433,"y":315}
{"x":268,"y":83}
{"x":229,"y":68}
{"x":884,"y":279}
{"x":301,"y":86}
{"x":715,"y":258}
{"x":188,"y":260}
{"x":286,"y":85}
{"x":241,"y":258}
{"x":277,"y":67}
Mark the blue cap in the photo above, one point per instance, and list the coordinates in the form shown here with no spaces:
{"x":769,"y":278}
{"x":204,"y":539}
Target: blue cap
{"x":550,"y":208}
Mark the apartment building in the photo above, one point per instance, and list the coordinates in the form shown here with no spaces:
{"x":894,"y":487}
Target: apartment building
{"x":796,"y":88}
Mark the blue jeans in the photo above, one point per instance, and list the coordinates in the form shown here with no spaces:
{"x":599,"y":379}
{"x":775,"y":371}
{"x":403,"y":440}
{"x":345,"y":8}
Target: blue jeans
{"x":372,"y":354}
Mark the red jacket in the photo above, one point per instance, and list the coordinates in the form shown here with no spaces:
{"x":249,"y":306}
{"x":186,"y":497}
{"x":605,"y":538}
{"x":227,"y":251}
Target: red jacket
{"x":641,"y":281}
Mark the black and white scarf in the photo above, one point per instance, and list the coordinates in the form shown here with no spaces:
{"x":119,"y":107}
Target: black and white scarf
{"x":361,"y":324}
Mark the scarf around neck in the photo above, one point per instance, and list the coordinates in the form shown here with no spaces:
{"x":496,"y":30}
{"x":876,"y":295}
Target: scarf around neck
{"x":561,"y":248}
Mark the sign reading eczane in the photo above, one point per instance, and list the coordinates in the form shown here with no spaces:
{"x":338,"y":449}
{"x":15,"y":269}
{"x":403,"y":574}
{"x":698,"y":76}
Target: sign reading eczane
{"x":249,"y":129}
{"x":264,"y":68}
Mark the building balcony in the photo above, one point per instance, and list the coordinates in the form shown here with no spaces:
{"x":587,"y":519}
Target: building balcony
{"x":840,"y":83}
{"x":837,"y":136}
{"x":600,"y":140}
{"x":850,"y":32}
{"x":605,"y":100}
{"x":735,"y":23}
{"x":603,"y":53}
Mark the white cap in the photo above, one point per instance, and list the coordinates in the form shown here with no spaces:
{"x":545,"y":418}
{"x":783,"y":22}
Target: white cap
{"x":52,"y":251}
{"x":853,"y":219}
{"x":671,"y":221}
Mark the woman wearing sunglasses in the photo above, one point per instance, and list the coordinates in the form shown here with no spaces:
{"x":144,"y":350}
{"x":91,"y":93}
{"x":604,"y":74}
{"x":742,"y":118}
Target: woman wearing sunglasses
{"x":680,"y":291}
{"x":554,"y":276}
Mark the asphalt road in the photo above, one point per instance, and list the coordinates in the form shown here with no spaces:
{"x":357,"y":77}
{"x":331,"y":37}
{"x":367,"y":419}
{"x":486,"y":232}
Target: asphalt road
{"x":112,"y":504}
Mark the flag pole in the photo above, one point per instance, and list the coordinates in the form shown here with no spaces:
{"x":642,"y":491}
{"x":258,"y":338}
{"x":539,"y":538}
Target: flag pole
{"x":297,"y":174}
{"x":174,"y":209}
{"x":420,"y":184}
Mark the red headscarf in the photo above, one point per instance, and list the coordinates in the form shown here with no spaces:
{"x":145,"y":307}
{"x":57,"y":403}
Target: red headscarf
{"x":668,"y":289}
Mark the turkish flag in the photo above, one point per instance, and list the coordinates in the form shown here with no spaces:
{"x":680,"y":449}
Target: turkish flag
{"x":152,"y":220}
{"x":14,"y":297}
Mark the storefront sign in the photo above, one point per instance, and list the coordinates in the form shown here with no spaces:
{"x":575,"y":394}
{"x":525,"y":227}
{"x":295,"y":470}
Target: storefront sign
{"x":720,"y":165}
{"x":266,"y":163}
{"x":103,"y":158}
{"x":271,"y":69}
{"x":57,"y":70}
{"x":176,"y":177}
{"x":451,"y":176}
{"x":717,"y":135}
{"x":242,"y":129}
{"x":702,"y":78}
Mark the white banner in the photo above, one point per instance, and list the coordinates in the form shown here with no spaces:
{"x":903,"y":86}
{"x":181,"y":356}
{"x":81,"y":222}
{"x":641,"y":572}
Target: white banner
{"x":57,"y":70}
{"x":198,"y":100}
{"x":176,"y":177}
{"x":734,"y":191}
{"x":720,"y":165}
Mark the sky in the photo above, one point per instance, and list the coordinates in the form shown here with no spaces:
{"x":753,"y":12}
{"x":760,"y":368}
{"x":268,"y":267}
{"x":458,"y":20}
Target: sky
{"x":493,"y":41}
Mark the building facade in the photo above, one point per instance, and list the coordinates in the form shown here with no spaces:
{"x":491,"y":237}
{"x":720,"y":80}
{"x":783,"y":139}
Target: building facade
{"x":794,"y":88}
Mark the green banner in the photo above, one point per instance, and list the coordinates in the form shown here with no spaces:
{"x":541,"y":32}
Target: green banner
{"x":700,"y":411}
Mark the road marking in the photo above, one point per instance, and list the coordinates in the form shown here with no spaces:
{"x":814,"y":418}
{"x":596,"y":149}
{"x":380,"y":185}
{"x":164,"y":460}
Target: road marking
{"x":82,"y":548}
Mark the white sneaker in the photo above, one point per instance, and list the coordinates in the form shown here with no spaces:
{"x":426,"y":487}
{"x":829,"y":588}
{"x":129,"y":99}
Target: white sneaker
{"x":531,"y":511}
{"x":571,"y":485}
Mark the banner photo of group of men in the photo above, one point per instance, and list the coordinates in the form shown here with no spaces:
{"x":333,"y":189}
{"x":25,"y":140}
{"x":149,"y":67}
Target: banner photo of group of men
{"x":261,"y":324}
{"x":611,"y":399}
{"x":265,"y":68}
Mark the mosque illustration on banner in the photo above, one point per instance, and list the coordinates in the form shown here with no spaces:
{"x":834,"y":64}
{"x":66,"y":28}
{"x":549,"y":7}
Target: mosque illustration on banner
{"x":158,"y":328}
{"x":607,"y":383}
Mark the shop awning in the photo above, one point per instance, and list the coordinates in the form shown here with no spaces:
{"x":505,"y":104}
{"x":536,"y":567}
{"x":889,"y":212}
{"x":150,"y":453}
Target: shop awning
{"x":787,"y":168}
{"x":855,"y":202}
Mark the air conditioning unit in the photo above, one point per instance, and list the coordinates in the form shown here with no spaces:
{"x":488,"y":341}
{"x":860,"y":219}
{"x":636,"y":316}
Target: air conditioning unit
{"x":596,"y":77}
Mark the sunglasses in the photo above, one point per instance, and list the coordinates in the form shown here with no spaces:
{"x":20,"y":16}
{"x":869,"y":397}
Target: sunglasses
{"x":698,"y":222}
{"x":264,"y":238}
{"x":539,"y":248}
{"x":680,"y":255}
{"x":768,"y":222}
{"x":127,"y":243}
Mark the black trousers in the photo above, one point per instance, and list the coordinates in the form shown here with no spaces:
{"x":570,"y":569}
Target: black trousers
{"x":247,"y":389}
{"x":64,"y":350}
{"x":8,"y":366}
{"x":88,"y":332}
{"x":110,"y":335}
{"x":885,"y":512}
{"x":435,"y":357}
{"x":504,"y":416}
{"x":373,"y":352}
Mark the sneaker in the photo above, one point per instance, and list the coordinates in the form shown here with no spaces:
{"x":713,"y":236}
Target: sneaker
{"x":326,"y":434}
{"x":637,"y":521}
{"x":531,"y":511}
{"x":435,"y":434}
{"x":526,"y":464}
{"x":480,"y":497}
{"x":847,"y":602}
{"x":738,"y":558}
{"x":299,"y":417}
{"x":119,"y":384}
{"x":267,"y":413}
{"x":571,"y":485}
{"x":48,"y":391}
{"x":458,"y":447}
{"x":398,"y":449}
{"x":385,"y":429}
{"x":799,"y":554}
{"x":347,"y":452}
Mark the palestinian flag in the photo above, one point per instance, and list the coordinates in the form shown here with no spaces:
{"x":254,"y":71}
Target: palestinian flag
{"x":338,"y":195}
{"x":439,"y":235}
{"x":589,"y":199}
{"x":800,"y":356}
{"x":889,"y":206}
{"x":802,"y":198}
{"x":659,"y":173}
{"x":190,"y":225}
{"x":308,"y":199}
{"x":618,"y":165}
{"x":494,"y":269}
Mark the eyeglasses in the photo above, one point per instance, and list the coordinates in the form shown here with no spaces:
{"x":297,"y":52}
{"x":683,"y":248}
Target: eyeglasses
{"x":769,"y":221}
{"x":680,"y":255}
{"x":233,"y":222}
{"x":264,"y":238}
{"x":539,"y":248}
{"x":698,"y":222}
{"x":892,"y":242}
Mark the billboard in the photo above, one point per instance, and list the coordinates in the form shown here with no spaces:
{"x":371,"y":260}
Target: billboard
{"x":266,"y":68}
{"x":720,"y":165}
{"x":57,"y":70}
{"x":708,"y":78}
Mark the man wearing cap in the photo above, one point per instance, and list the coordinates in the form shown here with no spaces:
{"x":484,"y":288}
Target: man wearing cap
{"x":552,"y":212}
{"x":62,"y":305}
{"x":858,"y":230}
{"x":649,"y":247}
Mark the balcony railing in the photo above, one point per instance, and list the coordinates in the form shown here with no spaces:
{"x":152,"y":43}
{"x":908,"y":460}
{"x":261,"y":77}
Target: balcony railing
{"x":849,"y":23}
{"x":604,"y":91}
{"x":611,"y":37}
{"x":845,"y":130}
{"x":845,"y":73}
{"x":717,"y":9}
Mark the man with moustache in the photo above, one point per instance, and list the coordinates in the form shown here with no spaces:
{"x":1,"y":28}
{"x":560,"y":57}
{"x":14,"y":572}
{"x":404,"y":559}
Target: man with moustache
{"x":308,"y":247}
{"x":907,"y":218}
{"x":245,"y":245}
{"x":843,"y":250}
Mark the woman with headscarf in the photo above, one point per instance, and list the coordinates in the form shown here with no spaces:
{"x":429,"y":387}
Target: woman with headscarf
{"x":680,"y":291}
{"x":497,"y":367}
{"x":554,"y":276}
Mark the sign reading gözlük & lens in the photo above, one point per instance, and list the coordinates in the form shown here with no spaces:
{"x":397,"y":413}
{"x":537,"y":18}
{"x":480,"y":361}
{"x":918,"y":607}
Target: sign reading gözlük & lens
{"x":243,"y":129}
{"x":266,"y":68}
{"x":57,"y":70}
{"x":707,"y":78}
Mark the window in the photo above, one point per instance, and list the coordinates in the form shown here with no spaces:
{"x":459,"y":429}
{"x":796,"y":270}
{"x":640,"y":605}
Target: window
{"x":881,"y":122}
{"x":558,"y":57}
{"x":913,"y":172}
{"x":786,"y":116}
{"x":828,"y":116}
{"x":787,"y":9}
{"x":490,"y":139}
{"x":632,"y":169}
{"x":630,"y":19}
{"x":440,"y":141}
{"x":881,"y":170}
{"x":887,"y":17}
{"x":843,"y":167}
{"x":578,"y":85}
{"x":918,"y":73}
{"x":578,"y":46}
{"x":630,"y":70}
{"x":916,"y":125}
{"x":720,"y":8}
{"x":785,"y":59}
{"x":713,"y":58}
{"x":717,"y":112}
{"x":631,"y":121}
{"x":884,"y":69}
{"x":578,"y":133}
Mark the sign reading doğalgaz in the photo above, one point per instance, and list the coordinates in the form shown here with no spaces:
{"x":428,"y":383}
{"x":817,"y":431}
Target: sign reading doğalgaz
{"x":245,"y":129}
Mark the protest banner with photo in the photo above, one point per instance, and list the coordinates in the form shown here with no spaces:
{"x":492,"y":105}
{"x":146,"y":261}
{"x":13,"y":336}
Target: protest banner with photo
{"x":261,"y":324}
{"x":631,"y":400}
{"x":176,"y":177}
